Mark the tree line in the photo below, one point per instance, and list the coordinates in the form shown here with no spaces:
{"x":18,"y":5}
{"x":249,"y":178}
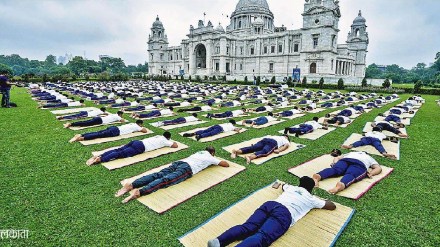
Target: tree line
{"x":105,"y":69}
{"x":427,"y":75}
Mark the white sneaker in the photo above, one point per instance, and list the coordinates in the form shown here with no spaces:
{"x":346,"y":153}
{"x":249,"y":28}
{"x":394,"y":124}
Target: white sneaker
{"x":214,"y":243}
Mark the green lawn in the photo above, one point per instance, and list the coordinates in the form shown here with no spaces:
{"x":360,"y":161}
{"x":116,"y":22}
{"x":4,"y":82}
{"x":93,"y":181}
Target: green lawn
{"x":48,"y":189}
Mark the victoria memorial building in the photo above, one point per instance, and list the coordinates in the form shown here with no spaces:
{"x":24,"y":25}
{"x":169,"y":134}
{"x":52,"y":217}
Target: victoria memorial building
{"x":251,"y":45}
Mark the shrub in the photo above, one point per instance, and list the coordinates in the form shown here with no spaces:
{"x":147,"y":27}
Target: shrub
{"x":386,"y":83}
{"x":258,"y":80}
{"x":364,"y":82}
{"x":304,"y":81}
{"x":418,"y":86}
{"x":245,"y":79}
{"x":340,"y":83}
{"x":321,"y":83}
{"x":273,"y":80}
{"x":214,"y":78}
{"x":189,"y":79}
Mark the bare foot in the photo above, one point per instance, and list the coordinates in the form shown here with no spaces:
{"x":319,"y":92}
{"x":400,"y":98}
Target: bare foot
{"x":134,"y":194}
{"x":317,"y":178}
{"x":75,"y":138}
{"x":234,"y":154}
{"x":60,"y":117}
{"x":67,"y":125}
{"x":347,"y":146}
{"x":248,"y":160}
{"x":338,"y":188}
{"x":125,"y":189}
{"x":94,"y":160}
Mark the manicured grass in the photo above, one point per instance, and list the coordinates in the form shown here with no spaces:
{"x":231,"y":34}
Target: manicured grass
{"x":48,"y":189}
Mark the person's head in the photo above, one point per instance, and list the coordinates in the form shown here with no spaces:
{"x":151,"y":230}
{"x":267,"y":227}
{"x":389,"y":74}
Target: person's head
{"x":81,"y":101}
{"x":381,"y":115}
{"x":316,"y":119}
{"x":120,"y":113}
{"x":307,"y":183}
{"x":232,"y":121}
{"x":154,"y":104}
{"x":327,"y":115}
{"x":270,"y":114}
{"x":167,"y":135}
{"x":210,"y":150}
{"x":72,"y":98}
{"x":296,"y":108}
{"x":244,"y":109}
{"x":140,"y":122}
{"x":138,"y":101}
{"x":336,"y":153}
{"x":124,"y":98}
{"x":400,"y":125}
{"x":377,"y":129}
{"x":103,"y":109}
{"x":190,"y":101}
{"x":194,"y":114}
{"x":171,"y":108}
{"x":209,"y":104}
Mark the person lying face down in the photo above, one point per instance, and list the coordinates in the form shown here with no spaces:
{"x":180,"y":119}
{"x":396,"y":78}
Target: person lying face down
{"x":261,"y":120}
{"x":84,"y":114}
{"x":228,"y":114}
{"x":111,"y":131}
{"x":289,"y":113}
{"x":214,"y":130}
{"x":263,"y":148}
{"x":353,"y":167}
{"x":305,"y":128}
{"x":134,"y":148}
{"x":197,"y":108}
{"x":177,"y":121}
{"x":389,"y":127}
{"x":154,"y":114}
{"x":177,"y":172}
{"x":111,"y":118}
{"x":62,"y":105}
{"x":373,"y":138}
{"x":337,"y":120}
{"x":274,"y":218}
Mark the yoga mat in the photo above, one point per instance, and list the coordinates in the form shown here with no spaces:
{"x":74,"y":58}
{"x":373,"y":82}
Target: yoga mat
{"x":170,"y":127}
{"x":116,"y":138}
{"x":390,"y":147}
{"x":317,"y":110}
{"x":94,"y":126}
{"x":293,"y":147}
{"x":319,"y":228}
{"x":261,"y":126}
{"x":295,"y":116}
{"x":368,"y":128}
{"x":168,"y":198}
{"x":405,"y":121}
{"x":354,"y":191}
{"x":74,"y":110}
{"x":115,"y":164}
{"x":315,"y":135}
{"x":213,"y":138}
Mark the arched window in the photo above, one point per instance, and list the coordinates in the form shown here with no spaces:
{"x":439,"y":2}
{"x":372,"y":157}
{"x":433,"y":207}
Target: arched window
{"x":357,"y":32}
{"x":239,"y":24}
{"x":313,"y":68}
{"x":200,"y":56}
{"x":160,"y":34}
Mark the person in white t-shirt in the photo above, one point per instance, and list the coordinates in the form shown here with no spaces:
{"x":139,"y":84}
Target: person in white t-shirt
{"x":177,"y":121}
{"x":373,"y":138}
{"x":263,"y":148}
{"x":134,"y":148}
{"x":177,"y":172}
{"x":353,"y":167}
{"x":84,"y":114}
{"x":214,"y":130}
{"x":260,"y":120}
{"x":111,"y":131}
{"x":274,"y":218}
{"x":111,"y":118}
{"x":305,"y":128}
{"x":289,"y":113}
{"x":338,"y":120}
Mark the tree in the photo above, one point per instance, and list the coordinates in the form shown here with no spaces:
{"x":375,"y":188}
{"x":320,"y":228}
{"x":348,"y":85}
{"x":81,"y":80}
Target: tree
{"x":78,"y":65}
{"x":6,"y":70}
{"x":386,"y":83}
{"x":273,"y":80}
{"x":245,"y":79}
{"x":50,"y":61}
{"x":373,"y":71}
{"x":321,"y":83}
{"x":364,"y":82}
{"x":340,"y":83}
{"x":258,"y":81}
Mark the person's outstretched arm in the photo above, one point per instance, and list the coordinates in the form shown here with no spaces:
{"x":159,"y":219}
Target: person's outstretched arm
{"x":329,"y":205}
{"x":281,"y":149}
{"x":175,"y":145}
{"x":223,"y":164}
{"x":375,"y":170}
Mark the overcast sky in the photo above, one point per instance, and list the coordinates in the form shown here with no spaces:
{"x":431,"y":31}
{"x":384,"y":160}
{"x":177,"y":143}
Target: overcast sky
{"x":404,"y":32}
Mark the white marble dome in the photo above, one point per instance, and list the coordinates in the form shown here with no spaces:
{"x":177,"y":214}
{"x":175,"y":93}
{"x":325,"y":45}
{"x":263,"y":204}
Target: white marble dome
{"x":245,"y":4}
